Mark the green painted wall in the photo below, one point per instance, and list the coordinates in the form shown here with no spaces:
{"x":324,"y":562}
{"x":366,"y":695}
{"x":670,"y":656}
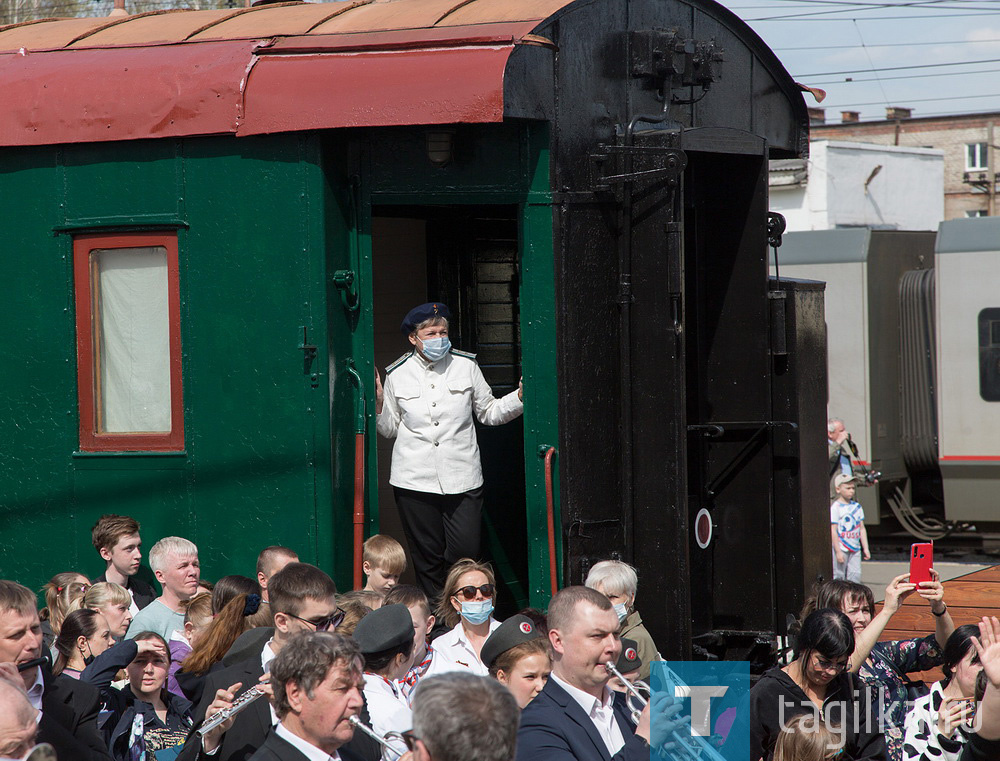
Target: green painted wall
{"x":249,"y":215}
{"x":262,"y":224}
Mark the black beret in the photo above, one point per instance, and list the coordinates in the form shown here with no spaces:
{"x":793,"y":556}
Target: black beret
{"x":515,"y":631}
{"x":423,"y":312}
{"x":383,"y":629}
{"x":629,"y":660}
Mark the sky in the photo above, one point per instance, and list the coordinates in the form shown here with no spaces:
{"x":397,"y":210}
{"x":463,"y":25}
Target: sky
{"x":855,"y":50}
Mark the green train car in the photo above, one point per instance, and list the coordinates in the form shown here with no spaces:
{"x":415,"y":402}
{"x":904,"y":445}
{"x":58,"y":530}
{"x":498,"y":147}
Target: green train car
{"x":214,"y":221}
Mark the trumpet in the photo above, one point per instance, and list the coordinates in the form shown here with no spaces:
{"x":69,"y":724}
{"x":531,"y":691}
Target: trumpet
{"x":238,"y":705}
{"x":692,"y":748}
{"x":383,"y":741}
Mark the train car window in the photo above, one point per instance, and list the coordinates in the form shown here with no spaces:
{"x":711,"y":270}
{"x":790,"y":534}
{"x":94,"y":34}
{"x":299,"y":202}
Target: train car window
{"x":128,"y":342}
{"x":989,"y":354}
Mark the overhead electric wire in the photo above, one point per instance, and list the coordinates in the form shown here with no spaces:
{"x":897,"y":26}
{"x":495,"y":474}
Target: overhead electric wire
{"x":853,"y":81}
{"x":917,"y":100}
{"x":897,"y":68}
{"x":891,"y":45}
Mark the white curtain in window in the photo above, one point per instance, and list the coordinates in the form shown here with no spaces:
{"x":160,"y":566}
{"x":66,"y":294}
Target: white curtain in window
{"x":133,"y":351}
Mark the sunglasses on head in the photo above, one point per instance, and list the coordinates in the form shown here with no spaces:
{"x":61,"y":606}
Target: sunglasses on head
{"x":326,"y":623}
{"x":469,"y":592}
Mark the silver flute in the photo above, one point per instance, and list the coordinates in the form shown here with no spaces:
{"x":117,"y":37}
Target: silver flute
{"x":383,"y":741}
{"x":693,"y":748}
{"x":238,"y":705}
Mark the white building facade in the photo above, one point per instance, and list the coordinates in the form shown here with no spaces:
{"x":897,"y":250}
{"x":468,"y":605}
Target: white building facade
{"x":844,"y":185}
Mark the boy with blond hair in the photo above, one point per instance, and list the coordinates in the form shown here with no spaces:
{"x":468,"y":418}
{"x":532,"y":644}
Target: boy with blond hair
{"x":847,"y":531}
{"x":383,"y":561}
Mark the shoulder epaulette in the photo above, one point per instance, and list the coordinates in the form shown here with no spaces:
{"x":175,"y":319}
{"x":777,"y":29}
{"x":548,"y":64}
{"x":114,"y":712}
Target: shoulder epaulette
{"x":466,"y":354}
{"x":398,"y":362}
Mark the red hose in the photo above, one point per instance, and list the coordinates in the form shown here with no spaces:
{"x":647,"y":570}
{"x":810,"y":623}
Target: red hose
{"x":550,"y":518}
{"x":359,"y":505}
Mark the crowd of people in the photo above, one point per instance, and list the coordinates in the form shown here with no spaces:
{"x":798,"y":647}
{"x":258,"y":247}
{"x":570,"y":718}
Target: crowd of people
{"x":279,"y":664}
{"x":282,"y":665}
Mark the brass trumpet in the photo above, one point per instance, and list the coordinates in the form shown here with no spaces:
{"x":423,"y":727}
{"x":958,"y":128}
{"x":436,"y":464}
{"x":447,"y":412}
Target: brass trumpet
{"x":383,"y":741}
{"x":692,"y":748}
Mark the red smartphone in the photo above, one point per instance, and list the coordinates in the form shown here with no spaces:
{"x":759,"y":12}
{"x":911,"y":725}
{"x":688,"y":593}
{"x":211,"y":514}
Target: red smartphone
{"x":921,"y":560}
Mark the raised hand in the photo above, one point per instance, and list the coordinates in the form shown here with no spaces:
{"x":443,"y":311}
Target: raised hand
{"x":378,"y":393}
{"x":988,"y":648}
{"x":898,"y":590}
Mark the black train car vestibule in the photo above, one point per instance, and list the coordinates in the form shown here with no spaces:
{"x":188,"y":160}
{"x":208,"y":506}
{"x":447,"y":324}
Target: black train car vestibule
{"x":584,"y":182}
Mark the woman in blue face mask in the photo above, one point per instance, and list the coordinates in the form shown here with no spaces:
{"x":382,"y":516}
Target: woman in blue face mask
{"x":466,"y":606}
{"x":432,"y":397}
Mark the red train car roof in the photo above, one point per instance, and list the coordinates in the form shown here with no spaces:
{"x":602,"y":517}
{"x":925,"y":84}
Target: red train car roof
{"x":272,"y":68}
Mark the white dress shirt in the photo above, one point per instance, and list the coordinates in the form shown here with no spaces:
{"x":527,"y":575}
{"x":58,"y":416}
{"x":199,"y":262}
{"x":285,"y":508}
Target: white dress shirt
{"x":266,"y":656}
{"x":601,"y":712}
{"x":35,"y":692}
{"x":388,"y":710}
{"x":428,"y":408}
{"x":307,"y":749}
{"x":454,"y":652}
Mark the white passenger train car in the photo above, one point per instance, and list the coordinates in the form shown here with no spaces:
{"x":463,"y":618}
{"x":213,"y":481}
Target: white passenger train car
{"x":968,"y":367}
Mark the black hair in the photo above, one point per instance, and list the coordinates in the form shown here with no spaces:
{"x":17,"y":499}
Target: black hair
{"x":825,"y":631}
{"x":79,"y":623}
{"x":956,"y":648}
{"x":377,"y":662}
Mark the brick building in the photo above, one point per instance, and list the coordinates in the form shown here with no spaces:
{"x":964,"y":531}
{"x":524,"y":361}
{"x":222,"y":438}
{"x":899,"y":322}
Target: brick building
{"x":970,"y":156}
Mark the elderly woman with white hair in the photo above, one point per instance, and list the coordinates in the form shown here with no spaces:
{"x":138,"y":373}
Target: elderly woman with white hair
{"x":619,"y":582}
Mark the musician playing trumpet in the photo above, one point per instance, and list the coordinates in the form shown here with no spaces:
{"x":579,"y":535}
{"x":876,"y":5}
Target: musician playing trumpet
{"x":583,"y":632}
{"x":316,"y":679}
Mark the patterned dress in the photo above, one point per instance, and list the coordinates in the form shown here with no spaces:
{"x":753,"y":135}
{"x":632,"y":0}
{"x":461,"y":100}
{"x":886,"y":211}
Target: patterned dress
{"x":922,"y":741}
{"x":885,"y":671}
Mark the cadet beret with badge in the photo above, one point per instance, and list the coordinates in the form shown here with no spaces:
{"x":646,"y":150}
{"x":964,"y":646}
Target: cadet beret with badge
{"x":515,"y":631}
{"x":384,"y":629}
{"x":423,"y":312}
{"x":629,"y":659}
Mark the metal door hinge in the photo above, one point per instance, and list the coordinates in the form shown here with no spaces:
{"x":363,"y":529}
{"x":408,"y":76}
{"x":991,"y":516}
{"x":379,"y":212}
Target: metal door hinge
{"x":309,"y":352}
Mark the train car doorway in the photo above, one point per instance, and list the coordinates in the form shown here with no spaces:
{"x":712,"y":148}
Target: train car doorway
{"x":467,"y":257}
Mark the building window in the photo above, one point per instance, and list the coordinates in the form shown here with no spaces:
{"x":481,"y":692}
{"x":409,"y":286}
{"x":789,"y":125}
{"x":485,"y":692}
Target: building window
{"x":128,"y":342}
{"x":976,"y":158}
{"x":975,"y":213}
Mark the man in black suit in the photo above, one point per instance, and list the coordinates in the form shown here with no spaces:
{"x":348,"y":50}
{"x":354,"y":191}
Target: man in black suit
{"x":116,"y":539}
{"x":69,"y":708}
{"x":317,"y":685}
{"x":303,"y":599}
{"x":576,"y":717}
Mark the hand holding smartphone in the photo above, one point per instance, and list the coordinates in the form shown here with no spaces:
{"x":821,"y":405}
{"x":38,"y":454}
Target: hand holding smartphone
{"x":921,"y":561}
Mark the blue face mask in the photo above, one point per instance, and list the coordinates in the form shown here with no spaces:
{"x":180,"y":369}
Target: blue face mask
{"x":622,"y":610}
{"x":435,"y":348}
{"x":477,"y":612}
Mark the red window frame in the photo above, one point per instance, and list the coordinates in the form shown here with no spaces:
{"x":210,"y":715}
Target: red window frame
{"x":92,"y":440}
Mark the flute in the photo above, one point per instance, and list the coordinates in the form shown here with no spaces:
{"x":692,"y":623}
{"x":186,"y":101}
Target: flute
{"x":227,"y":713}
{"x":358,"y":724}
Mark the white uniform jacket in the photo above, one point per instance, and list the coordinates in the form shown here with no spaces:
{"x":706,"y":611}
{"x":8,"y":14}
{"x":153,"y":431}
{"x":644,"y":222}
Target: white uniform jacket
{"x":428,"y":407}
{"x":388,"y":710}
{"x":454,"y":652}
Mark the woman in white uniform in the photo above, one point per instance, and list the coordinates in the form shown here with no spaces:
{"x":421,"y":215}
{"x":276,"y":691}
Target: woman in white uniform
{"x":430,"y":401}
